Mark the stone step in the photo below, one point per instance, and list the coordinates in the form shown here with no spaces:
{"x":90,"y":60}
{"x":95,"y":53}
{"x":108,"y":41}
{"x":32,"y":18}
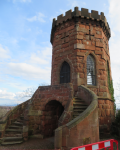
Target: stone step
{"x":15,"y":127}
{"x":12,"y":135}
{"x":5,"y":139}
{"x":20,"y":120}
{"x":18,"y":123}
{"x":77,"y":98}
{"x":80,"y":107}
{"x":13,"y":131}
{"x":12,"y":142}
{"x":79,"y":103}
{"x":78,"y":110}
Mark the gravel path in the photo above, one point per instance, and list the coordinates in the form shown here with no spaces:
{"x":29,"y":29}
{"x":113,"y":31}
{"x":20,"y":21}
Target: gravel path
{"x":32,"y":144}
{"x":40,"y":144}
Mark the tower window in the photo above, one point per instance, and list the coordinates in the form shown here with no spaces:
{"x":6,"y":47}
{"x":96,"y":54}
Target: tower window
{"x":90,"y":70}
{"x":65,"y":73}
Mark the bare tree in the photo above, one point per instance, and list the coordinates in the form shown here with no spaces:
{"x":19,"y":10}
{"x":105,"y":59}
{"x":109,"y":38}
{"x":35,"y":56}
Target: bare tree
{"x":30,"y":91}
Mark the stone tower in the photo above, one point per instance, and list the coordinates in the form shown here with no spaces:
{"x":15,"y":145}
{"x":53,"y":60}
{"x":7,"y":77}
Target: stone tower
{"x":78,"y":105}
{"x":80,"y":40}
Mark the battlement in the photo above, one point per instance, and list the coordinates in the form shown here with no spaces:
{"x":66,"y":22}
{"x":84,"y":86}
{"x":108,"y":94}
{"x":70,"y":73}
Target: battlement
{"x":83,"y":14}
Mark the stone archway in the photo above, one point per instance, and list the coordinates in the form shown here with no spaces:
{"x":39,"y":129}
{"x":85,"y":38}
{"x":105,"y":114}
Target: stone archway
{"x":52,"y":113}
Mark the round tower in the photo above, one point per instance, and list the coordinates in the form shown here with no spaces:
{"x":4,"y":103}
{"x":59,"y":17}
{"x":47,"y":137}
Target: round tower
{"x":80,"y":55}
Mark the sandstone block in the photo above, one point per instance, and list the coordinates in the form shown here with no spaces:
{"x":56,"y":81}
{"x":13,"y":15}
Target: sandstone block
{"x":98,"y":36}
{"x":80,"y":37}
{"x":79,"y":46}
{"x":107,"y":112}
{"x":84,"y":30}
{"x":99,"y":44}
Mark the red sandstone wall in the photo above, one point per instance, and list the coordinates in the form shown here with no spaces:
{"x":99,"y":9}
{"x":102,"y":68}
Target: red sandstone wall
{"x":43,"y":120}
{"x":86,"y":132}
{"x":82,"y":130}
{"x":73,"y":43}
{"x":106,"y":115}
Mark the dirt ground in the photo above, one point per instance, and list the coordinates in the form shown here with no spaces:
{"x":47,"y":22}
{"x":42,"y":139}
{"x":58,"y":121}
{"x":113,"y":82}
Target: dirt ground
{"x":32,"y":144}
{"x":37,"y":144}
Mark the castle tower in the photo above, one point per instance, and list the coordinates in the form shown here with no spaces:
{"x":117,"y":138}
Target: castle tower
{"x":80,"y":103}
{"x":80,"y":55}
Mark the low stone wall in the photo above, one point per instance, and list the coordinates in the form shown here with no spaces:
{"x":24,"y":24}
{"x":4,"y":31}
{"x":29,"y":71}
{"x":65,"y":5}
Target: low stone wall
{"x":40,"y":119}
{"x":84,"y":129}
{"x":11,"y":116}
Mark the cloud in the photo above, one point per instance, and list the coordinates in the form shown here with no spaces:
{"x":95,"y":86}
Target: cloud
{"x":10,"y":98}
{"x":114,"y":9}
{"x":28,"y":71}
{"x":39,"y":17}
{"x":35,"y":59}
{"x":75,"y":3}
{"x":37,"y":67}
{"x":4,"y":52}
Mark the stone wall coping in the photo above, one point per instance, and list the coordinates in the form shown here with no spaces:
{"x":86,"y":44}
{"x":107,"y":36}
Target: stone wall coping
{"x":104,"y":98}
{"x":7,"y":115}
{"x":83,"y":14}
{"x":89,"y":109}
{"x":93,"y":105}
{"x":92,"y":86}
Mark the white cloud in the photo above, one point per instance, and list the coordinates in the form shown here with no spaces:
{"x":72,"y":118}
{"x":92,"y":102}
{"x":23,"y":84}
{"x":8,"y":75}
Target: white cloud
{"x":75,"y":3}
{"x":47,"y":51}
{"x":114,"y":9}
{"x":39,"y":17}
{"x":4,"y":52}
{"x":35,"y":59}
{"x":28,"y":71}
{"x":112,"y":33}
{"x":6,"y":95}
{"x":9,"y":98}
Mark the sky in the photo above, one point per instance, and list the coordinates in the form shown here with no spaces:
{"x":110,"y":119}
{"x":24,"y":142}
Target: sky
{"x":25,"y":48}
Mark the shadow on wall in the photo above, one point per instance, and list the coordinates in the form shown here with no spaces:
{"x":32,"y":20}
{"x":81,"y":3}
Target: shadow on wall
{"x":52,"y":113}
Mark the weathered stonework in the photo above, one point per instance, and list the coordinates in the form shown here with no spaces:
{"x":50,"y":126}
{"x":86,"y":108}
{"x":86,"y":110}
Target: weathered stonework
{"x":75,"y":36}
{"x":52,"y":109}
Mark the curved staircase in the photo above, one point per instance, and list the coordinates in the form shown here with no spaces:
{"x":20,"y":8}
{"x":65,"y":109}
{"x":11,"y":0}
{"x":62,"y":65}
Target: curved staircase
{"x":79,"y":106}
{"x":13,"y":134}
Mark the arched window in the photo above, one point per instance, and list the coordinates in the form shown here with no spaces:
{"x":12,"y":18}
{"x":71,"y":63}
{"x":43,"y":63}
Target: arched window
{"x":90,"y":70}
{"x":65,"y":73}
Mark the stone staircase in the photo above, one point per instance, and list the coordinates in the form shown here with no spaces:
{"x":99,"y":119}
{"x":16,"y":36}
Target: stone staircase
{"x":78,"y":106}
{"x":13,"y":134}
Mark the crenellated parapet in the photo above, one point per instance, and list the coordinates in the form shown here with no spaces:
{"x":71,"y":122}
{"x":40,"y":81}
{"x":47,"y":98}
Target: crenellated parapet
{"x":94,"y":16}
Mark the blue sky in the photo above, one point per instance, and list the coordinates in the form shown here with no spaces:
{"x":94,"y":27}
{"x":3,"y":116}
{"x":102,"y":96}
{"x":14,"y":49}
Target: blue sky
{"x":25,"y":48}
